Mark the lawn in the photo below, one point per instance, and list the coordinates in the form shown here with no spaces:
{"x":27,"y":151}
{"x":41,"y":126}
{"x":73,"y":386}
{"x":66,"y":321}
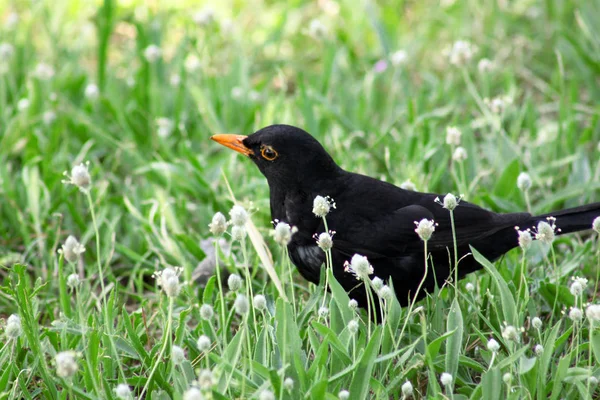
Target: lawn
{"x":113,"y":285}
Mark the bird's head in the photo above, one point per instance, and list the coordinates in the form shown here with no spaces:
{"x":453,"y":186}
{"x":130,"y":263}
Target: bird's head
{"x":286,"y":155}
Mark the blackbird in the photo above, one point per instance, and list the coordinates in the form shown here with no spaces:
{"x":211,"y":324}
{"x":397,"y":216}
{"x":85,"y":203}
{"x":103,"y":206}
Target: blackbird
{"x":377,"y":219}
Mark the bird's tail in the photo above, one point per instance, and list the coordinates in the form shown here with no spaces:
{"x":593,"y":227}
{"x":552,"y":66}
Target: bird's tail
{"x":572,"y":219}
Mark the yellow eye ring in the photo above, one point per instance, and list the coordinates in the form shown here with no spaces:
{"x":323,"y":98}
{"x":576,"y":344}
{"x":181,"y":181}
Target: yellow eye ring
{"x":268,"y":153}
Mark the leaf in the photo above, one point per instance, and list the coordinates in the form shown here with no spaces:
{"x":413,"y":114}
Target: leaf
{"x":362,"y":375}
{"x":491,"y":383}
{"x":454,"y":342}
{"x":526,"y":364}
{"x":507,"y":182}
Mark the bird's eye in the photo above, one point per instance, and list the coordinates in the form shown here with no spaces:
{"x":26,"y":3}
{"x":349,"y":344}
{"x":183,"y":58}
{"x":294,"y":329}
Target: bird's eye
{"x":268,"y":153}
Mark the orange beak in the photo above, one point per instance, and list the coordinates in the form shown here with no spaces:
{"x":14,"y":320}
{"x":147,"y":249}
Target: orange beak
{"x":234,"y":142}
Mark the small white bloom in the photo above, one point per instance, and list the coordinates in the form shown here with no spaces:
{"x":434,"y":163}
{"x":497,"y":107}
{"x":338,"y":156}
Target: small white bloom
{"x":13,"y":327}
{"x":485,"y":65}
{"x":578,"y":286}
{"x":204,"y":343}
{"x":575,"y":314}
{"x":525,"y":239}
{"x":23,"y":104}
{"x":177,"y":355}
{"x":493,"y":345}
{"x":359,"y":266}
{"x":49,"y":117}
{"x":175,"y":80}
{"x":237,"y":93}
{"x":408,"y":185}
{"x":234,"y":282}
{"x":238,"y":233}
{"x":377,"y":283}
{"x":192,"y":63}
{"x":193,"y":393}
{"x":122,"y":391}
{"x":317,"y":30}
{"x":204,"y":17}
{"x":168,"y":280}
{"x":469,"y":287}
{"x":266,"y":395}
{"x":343,"y":395}
{"x":6,"y":51}
{"x":92,"y":92}
{"x":593,"y":381}
{"x":498,"y":104}
{"x":425,"y":228}
{"x":206,"y":379}
{"x":460,"y":154}
{"x":536,"y":322}
{"x":593,"y":312}
{"x":164,"y":127}
{"x":353,"y":326}
{"x":545,"y":231}
{"x":152,"y":53}
{"x":43,"y":72}
{"x":450,"y":202}
{"x":386,"y":293}
{"x":446,"y":379}
{"x":353,"y":304}
{"x":66,"y":365}
{"x":218,"y":225}
{"x":322,"y":206}
{"x":288,"y":383}
{"x":325,"y":241}
{"x":511,"y":333}
{"x":524,"y":181}
{"x":207,"y":311}
{"x":538,"y":350}
{"x":241,"y":304}
{"x":596,"y":224}
{"x":323,"y":312}
{"x":460,"y":52}
{"x":11,"y":21}
{"x":453,"y":135}
{"x":73,"y":281}
{"x":80,"y":177}
{"x":259,"y":302}
{"x":283,"y":233}
{"x":399,"y":57}
{"x":407,"y":389}
{"x":238,"y":215}
{"x":507,"y":378}
{"x":72,"y":249}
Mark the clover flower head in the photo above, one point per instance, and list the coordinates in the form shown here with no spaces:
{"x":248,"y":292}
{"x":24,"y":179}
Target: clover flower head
{"x":241,"y":304}
{"x":238,"y":215}
{"x":446,"y":379}
{"x":283,"y":232}
{"x":218,"y":225}
{"x":546,"y":231}
{"x":80,"y":177}
{"x":575,"y":314}
{"x":168,"y":280}
{"x":524,"y":181}
{"x":325,"y":240}
{"x":359,"y":266}
{"x":66,"y":363}
{"x":322,"y":206}
{"x":259,"y":302}
{"x":453,"y":135}
{"x":425,"y":228}
{"x":493,"y":345}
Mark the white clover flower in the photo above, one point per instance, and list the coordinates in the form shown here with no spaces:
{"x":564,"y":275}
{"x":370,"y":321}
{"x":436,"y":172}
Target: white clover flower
{"x":177,"y":355}
{"x":323,"y":312}
{"x":536,"y":322}
{"x":399,"y":57}
{"x":425,"y":228}
{"x":461,"y":52}
{"x":343,"y":395}
{"x":386,"y":293}
{"x":353,"y":304}
{"x":234,"y":282}
{"x":66,"y":364}
{"x":453,"y":135}
{"x":92,"y":92}
{"x":204,"y":17}
{"x":524,"y":181}
{"x":525,"y":239}
{"x":538,"y":350}
{"x":316,"y":29}
{"x":592,"y":312}
{"x":168,"y":280}
{"x":493,"y":345}
{"x":175,"y":80}
{"x":377,"y":283}
{"x":259,"y":302}
{"x":164,"y":127}
{"x":238,"y":215}
{"x":578,"y":286}
{"x":72,"y":249}
{"x":446,"y":379}
{"x":238,"y":233}
{"x":325,"y":241}
{"x":237,"y":93}
{"x":511,"y":333}
{"x":498,"y":104}
{"x":450,"y":202}
{"x":407,"y":389}
{"x":152,"y":53}
{"x":546,"y":231}
{"x":13,"y":327}
{"x":283,"y":233}
{"x":575,"y":314}
{"x":288,"y":383}
{"x":193,"y":393}
{"x":122,"y":391}
{"x":80,"y":177}
{"x":207,"y":311}
{"x":408,"y":185}
{"x":6,"y":51}
{"x":593,"y":381}
{"x":460,"y":154}
{"x":469,"y":287}
{"x":485,"y":65}
{"x":43,"y":72}
{"x":596,"y":224}
{"x":266,"y":395}
{"x":218,"y":226}
{"x":49,"y":117}
{"x":206,"y":379}
{"x":241,"y":304}
{"x":192,"y":64}
{"x":204,"y":343}
{"x":73,"y":281}
{"x":359,"y":266}
{"x":322,"y":206}
{"x":353,"y":326}
{"x":23,"y":104}
{"x":507,"y":378}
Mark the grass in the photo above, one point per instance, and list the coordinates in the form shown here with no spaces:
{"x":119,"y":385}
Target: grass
{"x":156,"y":184}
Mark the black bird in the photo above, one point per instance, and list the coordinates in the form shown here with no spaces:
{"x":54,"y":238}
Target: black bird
{"x":377,"y":219}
